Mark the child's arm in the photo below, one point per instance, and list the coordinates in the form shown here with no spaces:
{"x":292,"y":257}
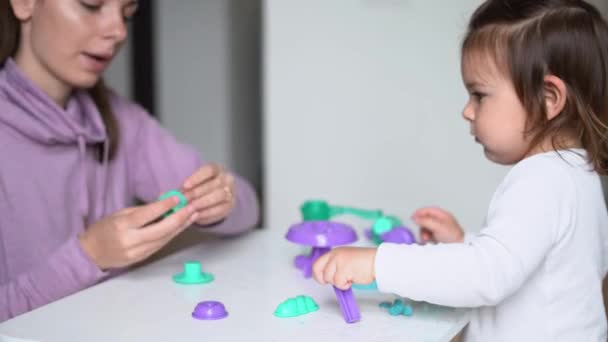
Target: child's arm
{"x":66,"y":271}
{"x":527,"y":216}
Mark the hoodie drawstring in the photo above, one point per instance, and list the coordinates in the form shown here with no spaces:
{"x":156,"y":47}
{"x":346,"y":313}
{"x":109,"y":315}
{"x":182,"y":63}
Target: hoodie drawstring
{"x":101,"y":191}
{"x":82,"y":174}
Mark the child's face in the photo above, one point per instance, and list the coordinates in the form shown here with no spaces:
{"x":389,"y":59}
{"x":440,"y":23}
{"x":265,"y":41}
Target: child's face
{"x":496,"y":115}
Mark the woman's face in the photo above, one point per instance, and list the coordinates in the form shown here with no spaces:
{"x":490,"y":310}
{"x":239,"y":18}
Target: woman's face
{"x":71,"y":42}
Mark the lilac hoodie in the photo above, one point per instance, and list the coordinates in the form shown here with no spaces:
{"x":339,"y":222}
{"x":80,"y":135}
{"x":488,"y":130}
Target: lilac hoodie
{"x":52,"y":185}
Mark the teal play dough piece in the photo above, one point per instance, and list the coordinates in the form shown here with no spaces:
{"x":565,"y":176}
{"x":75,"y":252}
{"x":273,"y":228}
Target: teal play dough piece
{"x":397,"y":308}
{"x":193,"y":274}
{"x":297,"y":306}
{"x":370,"y":286}
{"x":182,"y":201}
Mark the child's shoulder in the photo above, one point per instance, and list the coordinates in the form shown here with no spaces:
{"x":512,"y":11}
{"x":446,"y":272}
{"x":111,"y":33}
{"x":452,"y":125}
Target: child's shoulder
{"x":549,"y":172}
{"x":558,"y":165}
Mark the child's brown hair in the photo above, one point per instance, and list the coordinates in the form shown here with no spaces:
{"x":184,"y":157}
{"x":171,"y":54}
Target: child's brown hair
{"x":527,"y":40}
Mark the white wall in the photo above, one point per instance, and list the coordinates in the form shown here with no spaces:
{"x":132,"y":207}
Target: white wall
{"x":207,"y":65}
{"x":362,"y":107}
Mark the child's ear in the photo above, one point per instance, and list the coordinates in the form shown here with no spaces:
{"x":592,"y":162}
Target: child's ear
{"x":23,"y":9}
{"x":556,"y":94}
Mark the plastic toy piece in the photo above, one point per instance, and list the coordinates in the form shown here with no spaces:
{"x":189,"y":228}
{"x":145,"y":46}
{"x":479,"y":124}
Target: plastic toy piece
{"x":348,"y":305}
{"x":193,"y":274}
{"x":210,"y":310}
{"x":292,"y":307}
{"x":318,"y":210}
{"x":385,"y":224}
{"x":370,"y":286}
{"x":399,"y":235}
{"x":397,"y":308}
{"x":321,"y":236}
{"x":182,"y":201}
{"x":390,"y":229}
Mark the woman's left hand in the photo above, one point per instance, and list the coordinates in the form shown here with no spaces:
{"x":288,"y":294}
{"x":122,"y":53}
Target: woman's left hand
{"x":211,"y":190}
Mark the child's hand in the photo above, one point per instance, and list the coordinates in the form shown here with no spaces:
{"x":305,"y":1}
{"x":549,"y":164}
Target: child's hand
{"x":437,"y":225}
{"x":133,"y":234}
{"x":211,"y":191}
{"x":343,"y":266}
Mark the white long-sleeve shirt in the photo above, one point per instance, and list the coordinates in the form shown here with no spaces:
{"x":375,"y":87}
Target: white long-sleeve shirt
{"x":534,"y":272}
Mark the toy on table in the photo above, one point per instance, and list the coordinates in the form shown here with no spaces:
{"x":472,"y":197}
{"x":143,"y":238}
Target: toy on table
{"x":210,"y":310}
{"x":397,"y":308}
{"x":370,"y":286}
{"x":292,"y":307}
{"x":321,"y":211}
{"x":390,"y":229}
{"x":321,"y":236}
{"x":182,"y":201}
{"x":318,"y":210}
{"x":193,"y":274}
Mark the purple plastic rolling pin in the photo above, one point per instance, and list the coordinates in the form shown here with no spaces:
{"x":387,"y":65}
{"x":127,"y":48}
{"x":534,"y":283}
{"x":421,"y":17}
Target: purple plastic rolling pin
{"x":348,"y":305}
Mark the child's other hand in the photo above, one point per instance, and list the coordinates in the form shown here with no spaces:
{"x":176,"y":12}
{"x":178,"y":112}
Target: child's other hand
{"x":344,"y":266}
{"x":437,"y":225}
{"x":211,"y":191}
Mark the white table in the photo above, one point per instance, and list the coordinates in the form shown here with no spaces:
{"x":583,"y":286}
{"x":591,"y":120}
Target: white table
{"x":254,"y":273}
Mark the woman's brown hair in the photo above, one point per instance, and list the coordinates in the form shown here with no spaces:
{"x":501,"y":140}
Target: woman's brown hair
{"x":10,"y":28}
{"x":530,"y":39}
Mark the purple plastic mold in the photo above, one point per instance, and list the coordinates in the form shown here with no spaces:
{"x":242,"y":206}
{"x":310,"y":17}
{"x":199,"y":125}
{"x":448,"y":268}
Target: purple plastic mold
{"x":399,"y":235}
{"x":210,"y":310}
{"x":348,"y":305}
{"x":321,"y":236}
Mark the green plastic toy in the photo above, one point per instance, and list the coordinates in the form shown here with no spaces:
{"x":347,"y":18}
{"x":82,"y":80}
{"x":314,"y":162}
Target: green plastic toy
{"x":292,"y":307}
{"x":382,"y":225}
{"x":318,"y":210}
{"x":182,"y":201}
{"x":193,"y":274}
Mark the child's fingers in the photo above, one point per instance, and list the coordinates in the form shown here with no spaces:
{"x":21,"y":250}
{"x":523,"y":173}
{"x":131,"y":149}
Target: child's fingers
{"x":425,"y":235}
{"x":342,"y":281}
{"x":429,"y":224}
{"x":329,"y":272}
{"x":436,"y":212}
{"x":319,"y":267}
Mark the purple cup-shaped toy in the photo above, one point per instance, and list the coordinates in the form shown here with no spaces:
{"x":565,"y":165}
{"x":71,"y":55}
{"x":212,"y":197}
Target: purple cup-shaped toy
{"x":399,"y":235}
{"x":321,"y":236}
{"x":209,"y":310}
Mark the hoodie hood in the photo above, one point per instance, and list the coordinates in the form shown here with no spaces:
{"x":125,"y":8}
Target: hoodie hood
{"x":42,"y":120}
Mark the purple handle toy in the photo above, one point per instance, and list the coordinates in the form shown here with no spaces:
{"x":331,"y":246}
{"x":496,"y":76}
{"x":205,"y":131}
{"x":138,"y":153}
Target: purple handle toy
{"x":348,"y":305}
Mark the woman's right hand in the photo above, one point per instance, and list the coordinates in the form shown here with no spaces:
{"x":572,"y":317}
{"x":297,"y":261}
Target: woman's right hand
{"x":133,"y":234}
{"x":437,"y":225}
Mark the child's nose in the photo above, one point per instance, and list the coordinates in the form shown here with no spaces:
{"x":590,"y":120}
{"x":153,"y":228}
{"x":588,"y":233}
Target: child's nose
{"x":468,"y":113}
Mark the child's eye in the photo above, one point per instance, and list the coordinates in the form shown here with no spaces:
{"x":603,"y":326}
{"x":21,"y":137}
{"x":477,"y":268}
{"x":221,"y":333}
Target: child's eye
{"x":478,"y":96}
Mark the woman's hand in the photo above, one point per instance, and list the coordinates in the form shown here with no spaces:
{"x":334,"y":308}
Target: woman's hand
{"x":133,"y":234}
{"x":210,"y":190}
